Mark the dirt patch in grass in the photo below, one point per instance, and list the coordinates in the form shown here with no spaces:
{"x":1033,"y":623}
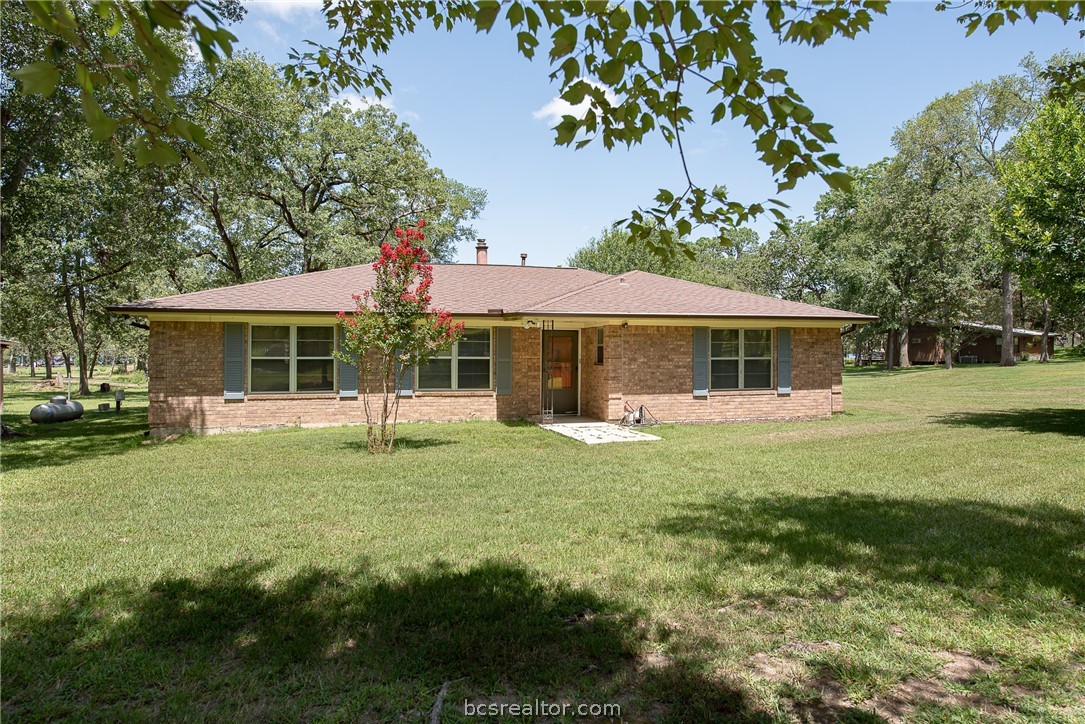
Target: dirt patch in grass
{"x":904,"y":698}
{"x":962,"y":667}
{"x":805,"y":648}
{"x":774,"y":668}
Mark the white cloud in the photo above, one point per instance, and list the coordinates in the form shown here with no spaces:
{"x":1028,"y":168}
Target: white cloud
{"x":357,"y":102}
{"x":558,"y":107}
{"x":269,"y":30}
{"x":286,"y":9}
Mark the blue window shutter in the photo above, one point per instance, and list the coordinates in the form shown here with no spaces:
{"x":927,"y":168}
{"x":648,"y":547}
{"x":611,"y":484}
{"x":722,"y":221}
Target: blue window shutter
{"x":406,"y":384}
{"x":233,"y":368}
{"x":503,"y":351}
{"x":700,"y":361}
{"x":783,"y":361}
{"x":348,"y":375}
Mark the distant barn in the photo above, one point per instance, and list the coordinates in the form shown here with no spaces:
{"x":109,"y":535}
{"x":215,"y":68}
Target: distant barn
{"x":981,"y":343}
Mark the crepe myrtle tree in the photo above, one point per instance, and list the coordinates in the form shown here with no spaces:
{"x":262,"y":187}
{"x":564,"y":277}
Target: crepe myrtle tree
{"x":392,"y":331}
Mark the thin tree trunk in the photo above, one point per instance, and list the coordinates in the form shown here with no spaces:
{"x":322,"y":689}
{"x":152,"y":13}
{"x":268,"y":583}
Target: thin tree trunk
{"x":68,"y":364}
{"x":30,"y":352}
{"x":858,"y":350}
{"x":1008,"y":359}
{"x":84,"y":380}
{"x":141,"y":364}
{"x":48,"y":364}
{"x":12,"y":369}
{"x":890,"y":350}
{"x":1044,"y":356}
{"x":947,"y":352}
{"x":905,"y":355}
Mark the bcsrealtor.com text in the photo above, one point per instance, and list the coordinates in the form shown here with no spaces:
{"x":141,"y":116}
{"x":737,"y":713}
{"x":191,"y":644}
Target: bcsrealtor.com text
{"x":540,"y":707}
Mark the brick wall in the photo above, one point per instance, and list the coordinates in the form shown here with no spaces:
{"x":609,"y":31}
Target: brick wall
{"x":593,"y":381}
{"x":185,"y":361}
{"x":651,"y":366}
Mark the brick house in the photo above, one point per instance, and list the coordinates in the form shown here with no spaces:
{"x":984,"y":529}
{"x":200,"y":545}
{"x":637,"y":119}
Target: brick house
{"x":982,"y":343}
{"x":539,"y":341}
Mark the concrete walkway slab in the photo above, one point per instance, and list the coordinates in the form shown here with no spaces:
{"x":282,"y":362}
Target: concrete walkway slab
{"x":597,"y":433}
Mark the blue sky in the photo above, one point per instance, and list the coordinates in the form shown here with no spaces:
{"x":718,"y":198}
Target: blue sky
{"x":482,"y":111}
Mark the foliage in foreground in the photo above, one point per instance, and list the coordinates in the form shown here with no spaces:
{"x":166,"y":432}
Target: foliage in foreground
{"x":630,"y":64}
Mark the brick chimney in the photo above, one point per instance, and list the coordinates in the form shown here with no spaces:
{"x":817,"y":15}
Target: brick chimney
{"x":481,"y":256}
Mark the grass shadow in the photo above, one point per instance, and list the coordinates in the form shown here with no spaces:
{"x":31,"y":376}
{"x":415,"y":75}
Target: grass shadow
{"x":1063,"y":421}
{"x":964,"y":545}
{"x":342,"y":645}
{"x":63,"y":443}
{"x":521,"y":423}
{"x":402,"y":443}
{"x":879,"y":370}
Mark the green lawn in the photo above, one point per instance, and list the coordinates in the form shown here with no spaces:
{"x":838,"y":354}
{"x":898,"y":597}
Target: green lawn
{"x":920,"y":556}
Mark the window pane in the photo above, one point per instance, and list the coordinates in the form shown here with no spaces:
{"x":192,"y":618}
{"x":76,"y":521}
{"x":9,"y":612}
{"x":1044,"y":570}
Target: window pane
{"x":475,"y":343}
{"x":725,"y":374}
{"x":474,"y":374}
{"x":599,"y":346}
{"x":270,"y":341}
{"x":437,"y":375}
{"x":758,"y":374}
{"x":315,"y":375}
{"x":725,"y":343}
{"x":757,"y":343}
{"x":315,"y":341}
{"x":270,"y":375}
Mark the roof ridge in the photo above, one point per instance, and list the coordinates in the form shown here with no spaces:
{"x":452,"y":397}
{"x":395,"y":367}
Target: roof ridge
{"x":248,"y":284}
{"x":578,"y":290}
{"x":742,"y":292}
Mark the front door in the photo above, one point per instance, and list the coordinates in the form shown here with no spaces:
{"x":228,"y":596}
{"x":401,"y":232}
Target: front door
{"x":560,"y":362}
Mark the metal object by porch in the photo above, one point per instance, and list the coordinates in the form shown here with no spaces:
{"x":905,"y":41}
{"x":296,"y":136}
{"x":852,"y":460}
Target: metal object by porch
{"x":548,"y":362}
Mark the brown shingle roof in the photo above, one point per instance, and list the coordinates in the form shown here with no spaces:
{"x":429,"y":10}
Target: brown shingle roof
{"x":470,"y":289}
{"x":639,"y":293}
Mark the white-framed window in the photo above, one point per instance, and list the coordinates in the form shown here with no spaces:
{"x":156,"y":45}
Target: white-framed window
{"x":741,"y":359}
{"x":466,"y":365}
{"x":291,"y":358}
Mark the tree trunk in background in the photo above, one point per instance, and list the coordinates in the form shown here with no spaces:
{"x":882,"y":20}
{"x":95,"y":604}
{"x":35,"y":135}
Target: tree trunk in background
{"x":890,"y":350}
{"x":947,"y":352}
{"x":93,"y":362}
{"x":67,"y":364}
{"x":48,"y":364}
{"x":30,"y":353}
{"x":858,"y":350}
{"x":12,"y":370}
{"x":1044,"y":356}
{"x":905,"y":360}
{"x":84,"y":378}
{"x":141,"y":364}
{"x":1008,"y":359}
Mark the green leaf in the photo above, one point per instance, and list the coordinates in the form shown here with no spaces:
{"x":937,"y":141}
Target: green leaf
{"x":611,"y":72}
{"x":564,"y":41}
{"x":39,"y":78}
{"x":101,"y":126}
{"x":838,"y":181}
{"x":619,"y":18}
{"x":526,"y":42}
{"x":566,"y":130}
{"x":515,"y":15}
{"x":993,"y":22}
{"x":486,"y":14}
